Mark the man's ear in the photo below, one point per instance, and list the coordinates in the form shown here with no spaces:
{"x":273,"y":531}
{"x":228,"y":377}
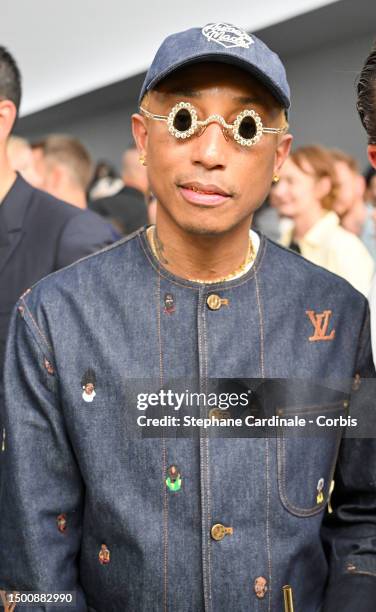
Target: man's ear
{"x":372,"y":154}
{"x":140,"y":133}
{"x":8,"y":114}
{"x":282,"y":152}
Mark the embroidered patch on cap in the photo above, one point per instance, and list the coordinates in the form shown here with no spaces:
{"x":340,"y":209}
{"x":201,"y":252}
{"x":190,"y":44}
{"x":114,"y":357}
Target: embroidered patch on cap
{"x":88,"y":383}
{"x":104,"y":555}
{"x":227,"y":35}
{"x":61,"y":522}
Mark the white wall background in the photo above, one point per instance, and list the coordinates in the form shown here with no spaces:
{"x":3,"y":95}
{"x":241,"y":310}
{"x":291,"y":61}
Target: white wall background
{"x":68,"y":48}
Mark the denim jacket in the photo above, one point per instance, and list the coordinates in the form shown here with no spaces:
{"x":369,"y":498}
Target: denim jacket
{"x":86,"y":504}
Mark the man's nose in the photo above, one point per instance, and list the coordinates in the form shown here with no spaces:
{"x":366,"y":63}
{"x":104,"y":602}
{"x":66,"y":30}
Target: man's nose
{"x":211,"y":146}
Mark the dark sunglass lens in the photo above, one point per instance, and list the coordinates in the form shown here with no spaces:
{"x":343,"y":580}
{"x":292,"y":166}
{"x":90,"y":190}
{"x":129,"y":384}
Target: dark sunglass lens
{"x":182,"y":120}
{"x":247,"y":127}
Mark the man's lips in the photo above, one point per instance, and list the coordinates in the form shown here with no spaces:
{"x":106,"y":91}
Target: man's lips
{"x":199,"y":193}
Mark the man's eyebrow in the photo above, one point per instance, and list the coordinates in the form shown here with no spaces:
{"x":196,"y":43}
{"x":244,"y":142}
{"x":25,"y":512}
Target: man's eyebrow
{"x":248,"y":100}
{"x":184,"y":92}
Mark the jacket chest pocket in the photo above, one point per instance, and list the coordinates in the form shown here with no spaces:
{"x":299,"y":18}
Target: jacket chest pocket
{"x":306,"y":460}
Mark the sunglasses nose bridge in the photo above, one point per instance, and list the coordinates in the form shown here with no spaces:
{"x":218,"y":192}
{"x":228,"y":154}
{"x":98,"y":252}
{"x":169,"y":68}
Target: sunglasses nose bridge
{"x":225,"y":127}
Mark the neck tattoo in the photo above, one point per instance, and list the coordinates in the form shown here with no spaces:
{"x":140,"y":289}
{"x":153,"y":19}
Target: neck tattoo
{"x":157,"y":248}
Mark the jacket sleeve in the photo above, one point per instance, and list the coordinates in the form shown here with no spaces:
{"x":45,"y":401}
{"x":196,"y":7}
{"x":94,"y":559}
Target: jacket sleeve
{"x":349,"y":533}
{"x":41,"y":493}
{"x":82,"y":235}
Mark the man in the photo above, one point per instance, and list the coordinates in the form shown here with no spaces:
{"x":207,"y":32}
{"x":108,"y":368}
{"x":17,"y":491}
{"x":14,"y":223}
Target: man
{"x":66,"y":168}
{"x":197,"y":297}
{"x":38,"y":233}
{"x":366,"y":106}
{"x":349,"y":204}
{"x":127,"y":209}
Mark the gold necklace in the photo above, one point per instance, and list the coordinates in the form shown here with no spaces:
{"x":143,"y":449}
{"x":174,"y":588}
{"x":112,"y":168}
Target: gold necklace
{"x":250,"y":257}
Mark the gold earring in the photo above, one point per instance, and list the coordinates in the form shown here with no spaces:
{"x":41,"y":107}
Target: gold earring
{"x":142,"y":160}
{"x":275,"y":178}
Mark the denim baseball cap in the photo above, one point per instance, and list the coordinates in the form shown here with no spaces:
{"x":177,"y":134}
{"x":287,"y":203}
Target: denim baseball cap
{"x":219,"y":42}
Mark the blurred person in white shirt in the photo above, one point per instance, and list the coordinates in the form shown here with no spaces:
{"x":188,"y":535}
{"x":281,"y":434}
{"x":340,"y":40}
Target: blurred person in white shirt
{"x":305,"y":194}
{"x":356,"y":215}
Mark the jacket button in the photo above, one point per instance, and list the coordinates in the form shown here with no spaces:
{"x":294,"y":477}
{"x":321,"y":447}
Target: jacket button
{"x":218,"y":531}
{"x":214,"y":302}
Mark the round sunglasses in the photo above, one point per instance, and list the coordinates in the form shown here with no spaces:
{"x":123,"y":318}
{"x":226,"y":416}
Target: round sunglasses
{"x":182,"y":122}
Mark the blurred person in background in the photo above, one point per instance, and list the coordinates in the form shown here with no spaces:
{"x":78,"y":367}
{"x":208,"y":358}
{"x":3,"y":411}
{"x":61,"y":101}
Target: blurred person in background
{"x":370,"y":179}
{"x":355,"y":214}
{"x":366,"y":106}
{"x":105,"y":181}
{"x":21,"y":159}
{"x":38,"y":233}
{"x":305,"y":193}
{"x":127,"y":209}
{"x":67,"y":168}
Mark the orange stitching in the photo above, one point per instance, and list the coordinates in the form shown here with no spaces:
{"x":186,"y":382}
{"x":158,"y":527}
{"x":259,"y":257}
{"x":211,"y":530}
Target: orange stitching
{"x":164,"y":457}
{"x":268,"y":547}
{"x":262,"y":363}
{"x":41,"y":334}
{"x":165,"y":524}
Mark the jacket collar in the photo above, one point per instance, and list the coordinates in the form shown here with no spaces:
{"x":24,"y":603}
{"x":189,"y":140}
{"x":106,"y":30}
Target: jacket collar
{"x":15,"y":205}
{"x":12,"y":214}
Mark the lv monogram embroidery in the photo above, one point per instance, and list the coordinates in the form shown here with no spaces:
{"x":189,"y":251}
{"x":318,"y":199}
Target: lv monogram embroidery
{"x":320,"y":324}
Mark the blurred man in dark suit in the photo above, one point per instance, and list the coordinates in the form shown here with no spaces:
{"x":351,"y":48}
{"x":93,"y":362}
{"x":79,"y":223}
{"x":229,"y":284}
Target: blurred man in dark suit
{"x":38,"y":233}
{"x":127,"y":209}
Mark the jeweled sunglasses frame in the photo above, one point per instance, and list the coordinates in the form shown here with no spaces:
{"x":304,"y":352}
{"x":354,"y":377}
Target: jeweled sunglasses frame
{"x":197,"y":124}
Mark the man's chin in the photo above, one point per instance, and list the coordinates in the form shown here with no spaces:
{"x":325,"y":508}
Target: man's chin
{"x":207,"y":229}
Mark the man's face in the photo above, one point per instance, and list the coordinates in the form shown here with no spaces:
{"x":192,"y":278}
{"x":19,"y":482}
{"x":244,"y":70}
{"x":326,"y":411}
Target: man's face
{"x":347,"y":193}
{"x":208,"y":184}
{"x":295,"y":193}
